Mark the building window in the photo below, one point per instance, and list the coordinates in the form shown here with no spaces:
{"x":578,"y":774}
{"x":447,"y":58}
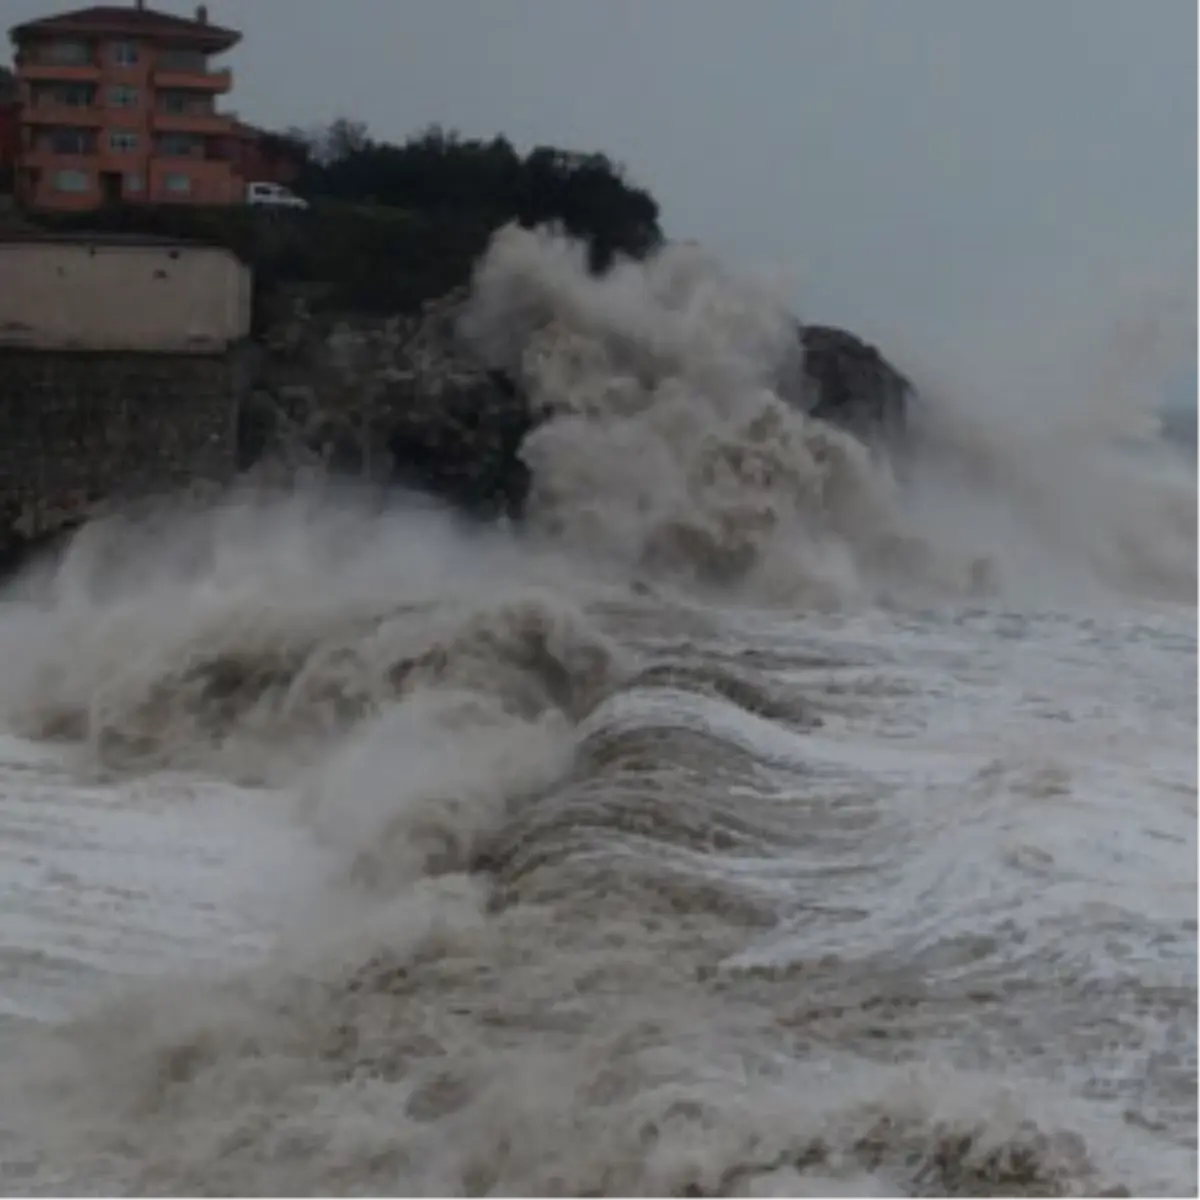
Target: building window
{"x":134,"y":183}
{"x":123,"y":97}
{"x":189,"y":61}
{"x":180,"y":145}
{"x":123,"y":139}
{"x":79,"y":96}
{"x":68,"y":95}
{"x":185,"y":102}
{"x":67,"y":54}
{"x":68,"y":141}
{"x":125,"y":54}
{"x":72,"y":181}
{"x":178,"y":185}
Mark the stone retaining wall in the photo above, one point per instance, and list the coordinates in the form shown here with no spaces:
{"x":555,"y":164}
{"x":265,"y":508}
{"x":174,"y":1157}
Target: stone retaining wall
{"x":79,"y":430}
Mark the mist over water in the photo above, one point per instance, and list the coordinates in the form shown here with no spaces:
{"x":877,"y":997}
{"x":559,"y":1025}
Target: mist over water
{"x":756,"y":819}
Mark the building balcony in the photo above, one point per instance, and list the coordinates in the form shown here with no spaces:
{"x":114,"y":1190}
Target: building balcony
{"x":62,"y":114}
{"x":180,"y":79}
{"x":202,"y":123}
{"x":58,"y":160}
{"x":46,"y":72}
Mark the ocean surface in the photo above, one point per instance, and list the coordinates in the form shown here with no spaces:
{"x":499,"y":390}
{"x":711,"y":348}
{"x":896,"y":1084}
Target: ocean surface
{"x":752,"y":821}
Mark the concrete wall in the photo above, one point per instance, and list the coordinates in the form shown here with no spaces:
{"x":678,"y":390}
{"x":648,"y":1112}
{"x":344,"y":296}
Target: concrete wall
{"x":97,"y":296}
{"x":81,"y":430}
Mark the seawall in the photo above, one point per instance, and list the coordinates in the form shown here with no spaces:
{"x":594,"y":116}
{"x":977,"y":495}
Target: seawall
{"x":84,"y":430}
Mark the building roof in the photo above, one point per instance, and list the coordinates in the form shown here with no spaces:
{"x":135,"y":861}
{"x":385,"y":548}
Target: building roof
{"x":133,"y":21}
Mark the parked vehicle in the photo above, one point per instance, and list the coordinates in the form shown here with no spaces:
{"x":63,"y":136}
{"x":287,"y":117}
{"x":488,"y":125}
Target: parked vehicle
{"x":273,"y":195}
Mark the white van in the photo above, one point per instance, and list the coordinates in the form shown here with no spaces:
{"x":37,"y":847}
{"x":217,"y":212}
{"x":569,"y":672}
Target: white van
{"x":273,"y":194}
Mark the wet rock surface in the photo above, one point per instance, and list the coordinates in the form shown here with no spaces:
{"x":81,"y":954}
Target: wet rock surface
{"x":394,"y":401}
{"x":854,"y":386}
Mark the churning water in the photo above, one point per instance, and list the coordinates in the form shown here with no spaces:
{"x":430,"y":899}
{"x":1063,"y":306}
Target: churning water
{"x":746,"y":823}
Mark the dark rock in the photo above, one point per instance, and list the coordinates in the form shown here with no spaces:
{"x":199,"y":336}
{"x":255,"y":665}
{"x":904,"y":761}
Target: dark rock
{"x":464,"y":449}
{"x":855,"y":387}
{"x":397,"y":400}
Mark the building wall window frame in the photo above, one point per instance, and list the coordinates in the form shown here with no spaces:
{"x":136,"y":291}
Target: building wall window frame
{"x":179,"y":145}
{"x":125,"y":54}
{"x":71,"y":180}
{"x":64,"y":95}
{"x":177,"y":183}
{"x":66,"y":53}
{"x":185,"y":104}
{"x":123,"y":140}
{"x":193,"y":62}
{"x":121,"y":95}
{"x":66,"y":140}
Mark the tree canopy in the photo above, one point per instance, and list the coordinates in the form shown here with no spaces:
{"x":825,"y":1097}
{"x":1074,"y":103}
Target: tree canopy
{"x":439,"y":173}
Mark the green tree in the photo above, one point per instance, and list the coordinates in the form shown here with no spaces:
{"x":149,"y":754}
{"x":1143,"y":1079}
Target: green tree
{"x":437,"y":172}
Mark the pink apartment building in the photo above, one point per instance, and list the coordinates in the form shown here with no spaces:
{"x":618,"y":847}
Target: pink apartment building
{"x":117,"y":104}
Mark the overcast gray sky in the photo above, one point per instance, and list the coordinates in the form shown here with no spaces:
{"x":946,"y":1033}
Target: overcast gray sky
{"x":920,"y":164}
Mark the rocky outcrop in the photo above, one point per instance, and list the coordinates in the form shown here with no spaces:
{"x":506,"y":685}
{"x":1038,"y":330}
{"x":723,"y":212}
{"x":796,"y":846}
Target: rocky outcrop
{"x":393,"y":401}
{"x":404,"y":401}
{"x":854,"y":386}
